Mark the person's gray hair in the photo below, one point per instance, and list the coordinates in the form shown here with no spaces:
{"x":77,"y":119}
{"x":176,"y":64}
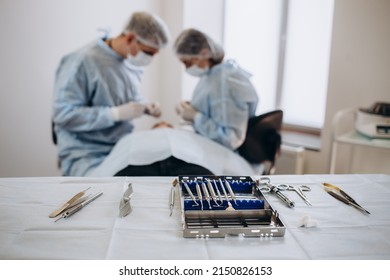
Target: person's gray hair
{"x":194,"y":43}
{"x":149,"y":29}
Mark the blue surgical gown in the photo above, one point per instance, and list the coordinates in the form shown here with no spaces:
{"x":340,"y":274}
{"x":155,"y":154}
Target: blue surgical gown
{"x":88,"y":83}
{"x":225,"y":100}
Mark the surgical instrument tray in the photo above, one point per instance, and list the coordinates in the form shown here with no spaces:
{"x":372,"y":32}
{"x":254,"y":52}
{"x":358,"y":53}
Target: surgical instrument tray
{"x":240,"y":208}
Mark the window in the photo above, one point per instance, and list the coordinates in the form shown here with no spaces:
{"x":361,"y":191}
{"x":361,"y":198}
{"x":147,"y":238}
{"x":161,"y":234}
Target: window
{"x":285,"y":44}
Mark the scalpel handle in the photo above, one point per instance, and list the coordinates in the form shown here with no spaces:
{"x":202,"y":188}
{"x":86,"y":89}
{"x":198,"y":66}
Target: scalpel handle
{"x":172,"y":200}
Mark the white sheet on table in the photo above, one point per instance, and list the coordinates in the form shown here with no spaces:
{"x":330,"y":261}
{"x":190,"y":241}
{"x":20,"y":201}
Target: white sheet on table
{"x":149,"y":232}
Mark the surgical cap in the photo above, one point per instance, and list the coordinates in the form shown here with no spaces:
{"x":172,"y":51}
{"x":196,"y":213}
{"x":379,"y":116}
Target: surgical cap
{"x":194,"y":43}
{"x":149,"y":29}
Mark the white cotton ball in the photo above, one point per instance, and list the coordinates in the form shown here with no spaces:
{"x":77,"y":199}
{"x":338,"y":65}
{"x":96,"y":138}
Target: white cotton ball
{"x":308,"y":222}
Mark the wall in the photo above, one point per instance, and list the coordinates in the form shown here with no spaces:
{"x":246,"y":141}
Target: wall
{"x":359,"y":76}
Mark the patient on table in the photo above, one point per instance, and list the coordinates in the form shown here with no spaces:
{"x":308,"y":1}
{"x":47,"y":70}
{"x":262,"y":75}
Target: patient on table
{"x":169,"y":151}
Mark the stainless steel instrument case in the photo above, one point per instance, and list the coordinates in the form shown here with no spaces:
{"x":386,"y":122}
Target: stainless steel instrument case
{"x":244,"y":211}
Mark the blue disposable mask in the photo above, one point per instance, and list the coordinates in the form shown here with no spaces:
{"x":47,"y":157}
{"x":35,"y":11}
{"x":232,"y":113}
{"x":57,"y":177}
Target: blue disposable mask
{"x":140,"y":59}
{"x":196,"y":71}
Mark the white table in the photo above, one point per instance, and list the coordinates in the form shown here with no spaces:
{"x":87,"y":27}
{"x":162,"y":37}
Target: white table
{"x":148,"y":232}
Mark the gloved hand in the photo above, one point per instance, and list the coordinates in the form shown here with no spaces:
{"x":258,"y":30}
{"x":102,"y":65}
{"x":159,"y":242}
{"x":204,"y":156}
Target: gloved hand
{"x":128,"y":111}
{"x":153,"y":109}
{"x":186,"y":111}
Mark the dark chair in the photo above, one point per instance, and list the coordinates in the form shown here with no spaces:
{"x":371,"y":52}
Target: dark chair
{"x":263,"y":140}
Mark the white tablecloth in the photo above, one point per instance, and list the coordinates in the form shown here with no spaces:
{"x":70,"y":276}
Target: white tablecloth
{"x":96,"y":232}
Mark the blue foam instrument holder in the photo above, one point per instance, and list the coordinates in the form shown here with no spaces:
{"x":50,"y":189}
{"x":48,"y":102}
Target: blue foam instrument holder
{"x":239,"y":185}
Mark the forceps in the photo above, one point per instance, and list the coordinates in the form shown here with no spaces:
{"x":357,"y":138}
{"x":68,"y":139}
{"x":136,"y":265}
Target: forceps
{"x":70,"y":211}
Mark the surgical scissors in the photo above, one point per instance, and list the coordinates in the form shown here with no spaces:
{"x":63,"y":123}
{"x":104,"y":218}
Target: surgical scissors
{"x":299,"y":190}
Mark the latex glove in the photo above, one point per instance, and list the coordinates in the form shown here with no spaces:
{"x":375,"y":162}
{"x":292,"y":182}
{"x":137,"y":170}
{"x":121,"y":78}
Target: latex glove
{"x":128,"y":111}
{"x":186,"y":111}
{"x":180,"y":107}
{"x":153,"y":109}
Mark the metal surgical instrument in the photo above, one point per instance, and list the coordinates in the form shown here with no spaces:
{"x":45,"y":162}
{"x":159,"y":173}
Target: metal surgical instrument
{"x":299,"y":190}
{"x":68,"y":204}
{"x":124,"y":205}
{"x":206,"y":193}
{"x":285,"y":199}
{"x":212,"y":192}
{"x":77,"y":208}
{"x":231,"y":191}
{"x":172,"y":200}
{"x":199,"y":193}
{"x":264,"y":184}
{"x":341,"y":195}
{"x":218,"y":192}
{"x":190,"y":193}
{"x":230,"y":207}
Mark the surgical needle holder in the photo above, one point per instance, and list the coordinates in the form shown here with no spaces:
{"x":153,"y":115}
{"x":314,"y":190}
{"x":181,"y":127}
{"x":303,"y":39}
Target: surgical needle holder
{"x":341,"y":195}
{"x":77,"y":208}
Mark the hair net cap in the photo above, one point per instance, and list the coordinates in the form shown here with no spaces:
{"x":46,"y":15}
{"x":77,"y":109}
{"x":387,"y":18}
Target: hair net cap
{"x":194,"y":43}
{"x":149,"y":29}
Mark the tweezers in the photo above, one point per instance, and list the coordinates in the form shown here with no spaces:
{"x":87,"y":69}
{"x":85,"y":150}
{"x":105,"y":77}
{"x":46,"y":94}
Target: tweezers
{"x":70,"y":211}
{"x":70,"y":203}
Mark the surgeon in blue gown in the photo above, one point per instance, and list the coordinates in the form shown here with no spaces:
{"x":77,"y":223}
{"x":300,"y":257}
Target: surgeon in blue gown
{"x":224,"y":98}
{"x":96,"y":92}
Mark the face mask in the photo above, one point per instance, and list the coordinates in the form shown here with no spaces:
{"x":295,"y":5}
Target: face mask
{"x":140,"y":59}
{"x":196,"y":71}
